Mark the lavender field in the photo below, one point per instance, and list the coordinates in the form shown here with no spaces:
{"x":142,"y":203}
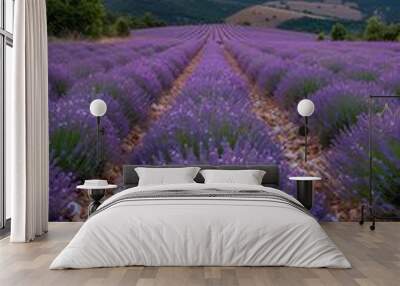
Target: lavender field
{"x":225,"y":94}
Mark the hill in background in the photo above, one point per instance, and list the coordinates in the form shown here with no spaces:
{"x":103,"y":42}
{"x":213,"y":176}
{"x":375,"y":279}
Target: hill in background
{"x":275,"y":13}
{"x":316,"y":16}
{"x":303,"y":15}
{"x":182,"y":11}
{"x":310,"y":16}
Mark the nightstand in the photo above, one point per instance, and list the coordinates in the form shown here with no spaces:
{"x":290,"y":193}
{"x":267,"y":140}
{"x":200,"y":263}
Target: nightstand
{"x":305,"y":190}
{"x":96,"y":193}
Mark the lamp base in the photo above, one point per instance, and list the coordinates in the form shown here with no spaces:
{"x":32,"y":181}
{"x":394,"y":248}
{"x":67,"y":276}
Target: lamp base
{"x":368,"y":213}
{"x":96,"y":196}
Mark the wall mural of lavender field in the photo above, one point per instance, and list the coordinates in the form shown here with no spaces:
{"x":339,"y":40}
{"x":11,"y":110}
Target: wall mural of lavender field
{"x":226,"y":94}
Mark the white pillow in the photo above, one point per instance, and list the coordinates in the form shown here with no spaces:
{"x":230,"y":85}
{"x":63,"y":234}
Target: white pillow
{"x":165,"y":176}
{"x":248,"y":177}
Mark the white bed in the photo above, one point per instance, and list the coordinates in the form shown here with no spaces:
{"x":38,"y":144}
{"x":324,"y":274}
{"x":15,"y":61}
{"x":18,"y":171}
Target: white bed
{"x":202,"y":231}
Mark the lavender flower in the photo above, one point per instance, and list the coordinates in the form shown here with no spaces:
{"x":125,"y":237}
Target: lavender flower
{"x":59,"y":80}
{"x":73,"y":136}
{"x":350,"y":164}
{"x":338,"y":107}
{"x":391,"y":81}
{"x":301,"y":82}
{"x":62,"y":194}
{"x":361,"y":72}
{"x":211,"y":122}
{"x":270,"y":76}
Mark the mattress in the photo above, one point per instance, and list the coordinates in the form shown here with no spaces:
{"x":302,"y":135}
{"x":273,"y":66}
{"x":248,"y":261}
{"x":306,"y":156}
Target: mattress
{"x":201,"y":225}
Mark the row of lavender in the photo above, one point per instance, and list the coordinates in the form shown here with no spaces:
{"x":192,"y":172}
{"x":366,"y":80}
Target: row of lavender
{"x":129,"y":86}
{"x":70,"y":62}
{"x":339,"y":78}
{"x":212,"y":123}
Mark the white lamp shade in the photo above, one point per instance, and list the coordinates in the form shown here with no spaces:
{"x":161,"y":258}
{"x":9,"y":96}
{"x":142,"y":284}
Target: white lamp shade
{"x":98,"y":107}
{"x":305,"y":108}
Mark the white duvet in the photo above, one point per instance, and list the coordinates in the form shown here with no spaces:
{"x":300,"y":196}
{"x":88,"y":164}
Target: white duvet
{"x":200,"y":231}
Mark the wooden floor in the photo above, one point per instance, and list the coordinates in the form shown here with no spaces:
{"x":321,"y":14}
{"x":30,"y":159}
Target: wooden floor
{"x":375,"y":257}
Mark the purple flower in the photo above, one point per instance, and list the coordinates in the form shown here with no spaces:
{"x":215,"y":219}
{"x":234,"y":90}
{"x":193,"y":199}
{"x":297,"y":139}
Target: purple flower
{"x":59,"y":80}
{"x":270,"y":75}
{"x":391,"y":81}
{"x":362,"y":72}
{"x":338,"y":106}
{"x":62,"y":194}
{"x":73,"y":136}
{"x":211,"y":122}
{"x":301,"y":82}
{"x":349,"y":160}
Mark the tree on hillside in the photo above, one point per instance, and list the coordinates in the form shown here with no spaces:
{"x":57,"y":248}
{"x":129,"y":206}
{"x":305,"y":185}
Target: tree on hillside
{"x":392,"y":32}
{"x":375,"y":29}
{"x":338,"y":32}
{"x":136,"y":22}
{"x":122,"y":28}
{"x":149,"y":20}
{"x":109,"y":24}
{"x":75,"y":18}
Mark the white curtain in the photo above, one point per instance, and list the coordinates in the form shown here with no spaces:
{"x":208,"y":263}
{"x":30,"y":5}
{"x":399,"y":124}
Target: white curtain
{"x":27,"y":144}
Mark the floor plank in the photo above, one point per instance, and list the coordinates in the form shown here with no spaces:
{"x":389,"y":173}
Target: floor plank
{"x":375,"y":257}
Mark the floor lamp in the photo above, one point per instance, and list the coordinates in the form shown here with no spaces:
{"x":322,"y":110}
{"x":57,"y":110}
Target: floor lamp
{"x":371,"y":210}
{"x":98,"y":108}
{"x":305,"y":108}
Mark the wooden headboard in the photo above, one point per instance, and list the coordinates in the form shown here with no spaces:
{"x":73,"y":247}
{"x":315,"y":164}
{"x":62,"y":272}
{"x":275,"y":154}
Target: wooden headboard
{"x":271,"y":178}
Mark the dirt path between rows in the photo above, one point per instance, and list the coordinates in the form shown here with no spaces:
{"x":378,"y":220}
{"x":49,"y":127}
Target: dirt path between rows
{"x":113,"y":173}
{"x":286,"y":133}
{"x":157,"y":109}
{"x":282,"y":129}
{"x":167,"y":99}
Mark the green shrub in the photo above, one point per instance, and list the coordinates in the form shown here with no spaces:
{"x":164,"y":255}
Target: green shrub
{"x":392,"y":32}
{"x":321,"y":36}
{"x":75,"y":18}
{"x":339,"y":32}
{"x":149,"y":20}
{"x":122,"y":28}
{"x":374,"y":30}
